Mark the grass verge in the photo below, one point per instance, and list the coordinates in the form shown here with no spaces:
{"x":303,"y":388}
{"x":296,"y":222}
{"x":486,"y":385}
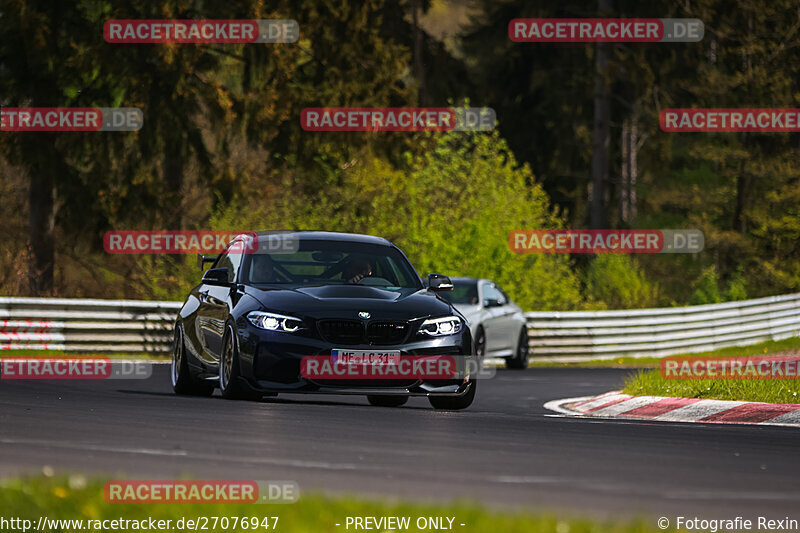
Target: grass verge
{"x":76,"y":498}
{"x":650,"y":382}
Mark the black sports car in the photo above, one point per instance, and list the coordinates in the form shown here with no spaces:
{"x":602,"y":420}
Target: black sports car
{"x":319,"y":312}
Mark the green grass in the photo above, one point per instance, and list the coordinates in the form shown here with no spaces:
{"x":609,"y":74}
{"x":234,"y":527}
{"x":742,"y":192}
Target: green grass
{"x":78,"y":498}
{"x":768,"y":347}
{"x":650,"y":382}
{"x":619,"y":362}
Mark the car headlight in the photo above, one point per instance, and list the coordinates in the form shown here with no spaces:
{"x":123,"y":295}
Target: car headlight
{"x":439,"y":327}
{"x":274,"y":322}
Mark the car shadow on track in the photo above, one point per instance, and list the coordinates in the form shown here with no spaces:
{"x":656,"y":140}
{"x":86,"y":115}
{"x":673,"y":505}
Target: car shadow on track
{"x":268,"y":400}
{"x":145,"y":393}
{"x":298,"y":401}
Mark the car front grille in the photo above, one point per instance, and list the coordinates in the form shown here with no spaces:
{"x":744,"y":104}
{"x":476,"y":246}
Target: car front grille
{"x":352,"y":332}
{"x":342,"y":331}
{"x":387,"y":332}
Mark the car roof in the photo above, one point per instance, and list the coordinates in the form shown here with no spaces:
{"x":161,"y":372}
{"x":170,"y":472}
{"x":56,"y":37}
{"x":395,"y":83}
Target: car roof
{"x":328,"y":236}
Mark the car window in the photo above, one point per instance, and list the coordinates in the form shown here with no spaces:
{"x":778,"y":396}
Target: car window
{"x":491,"y":293}
{"x":506,"y":299}
{"x":464,"y":292}
{"x":332,"y":263}
{"x":230,"y":260}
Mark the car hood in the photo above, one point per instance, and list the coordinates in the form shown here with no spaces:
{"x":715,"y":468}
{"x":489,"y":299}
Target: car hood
{"x":346,"y":301}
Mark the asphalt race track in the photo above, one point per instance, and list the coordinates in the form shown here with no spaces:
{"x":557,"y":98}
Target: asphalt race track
{"x":506,"y":450}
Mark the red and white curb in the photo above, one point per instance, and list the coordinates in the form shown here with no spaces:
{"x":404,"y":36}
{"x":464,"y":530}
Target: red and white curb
{"x":624,"y":406}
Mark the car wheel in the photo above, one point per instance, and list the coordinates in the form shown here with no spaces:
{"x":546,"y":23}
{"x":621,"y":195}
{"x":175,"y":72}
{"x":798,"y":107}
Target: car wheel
{"x":230,"y":378}
{"x":480,"y":344}
{"x":454,"y":403}
{"x":386,"y":401}
{"x":183,"y":382}
{"x":520,"y":359}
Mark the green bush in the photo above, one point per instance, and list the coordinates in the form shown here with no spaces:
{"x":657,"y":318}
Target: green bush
{"x":450,"y":208}
{"x":615,"y":281}
{"x":737,"y":288}
{"x":164,"y":277}
{"x":706,"y":288}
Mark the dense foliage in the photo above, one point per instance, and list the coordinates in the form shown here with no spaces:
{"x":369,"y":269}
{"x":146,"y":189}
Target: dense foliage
{"x":222,"y":145}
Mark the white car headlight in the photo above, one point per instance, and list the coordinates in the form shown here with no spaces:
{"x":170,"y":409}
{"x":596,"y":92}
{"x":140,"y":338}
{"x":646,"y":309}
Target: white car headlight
{"x":439,"y":327}
{"x":274,"y":322}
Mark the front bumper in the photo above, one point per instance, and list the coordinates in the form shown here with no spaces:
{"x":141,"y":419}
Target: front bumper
{"x":270,"y":361}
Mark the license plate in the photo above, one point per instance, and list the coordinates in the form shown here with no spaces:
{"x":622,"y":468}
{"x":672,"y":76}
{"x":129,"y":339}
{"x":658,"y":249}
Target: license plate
{"x":365,"y":357}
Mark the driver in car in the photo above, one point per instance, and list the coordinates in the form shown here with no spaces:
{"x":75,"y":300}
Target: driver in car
{"x":472,"y":294}
{"x":262,"y":269}
{"x":357,"y":270}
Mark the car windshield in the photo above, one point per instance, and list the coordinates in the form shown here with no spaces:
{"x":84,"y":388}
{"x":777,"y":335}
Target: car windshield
{"x":464,"y":292}
{"x":332,"y":263}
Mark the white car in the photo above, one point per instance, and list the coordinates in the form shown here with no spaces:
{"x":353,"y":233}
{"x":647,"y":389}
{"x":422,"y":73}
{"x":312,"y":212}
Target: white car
{"x":497,"y":324}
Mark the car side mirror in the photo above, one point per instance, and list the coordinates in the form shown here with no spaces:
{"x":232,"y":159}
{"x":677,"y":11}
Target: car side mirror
{"x":217,"y":276}
{"x":438,"y":283}
{"x":490,"y":302}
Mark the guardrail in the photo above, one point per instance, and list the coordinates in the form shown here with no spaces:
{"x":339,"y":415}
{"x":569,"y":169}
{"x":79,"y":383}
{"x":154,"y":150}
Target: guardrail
{"x":142,"y":326}
{"x":86,"y":325}
{"x":576,"y":335}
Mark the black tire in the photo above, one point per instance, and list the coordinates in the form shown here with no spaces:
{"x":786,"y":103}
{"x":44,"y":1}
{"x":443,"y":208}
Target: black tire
{"x":386,"y":401}
{"x":454,"y":403}
{"x":183,"y":383}
{"x":480,"y":344}
{"x":520,"y":359}
{"x":230,"y":378}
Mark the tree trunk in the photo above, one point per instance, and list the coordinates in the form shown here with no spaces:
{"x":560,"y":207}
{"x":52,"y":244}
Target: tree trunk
{"x":636,"y":143}
{"x":625,"y":171}
{"x":41,"y":224}
{"x":739,"y":222}
{"x":600,"y":135}
{"x":418,"y":63}
{"x":630,"y":143}
{"x":173,"y":178}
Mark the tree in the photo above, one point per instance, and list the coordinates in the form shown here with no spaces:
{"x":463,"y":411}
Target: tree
{"x":449,"y":207}
{"x":53,"y":61}
{"x":600,"y":133}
